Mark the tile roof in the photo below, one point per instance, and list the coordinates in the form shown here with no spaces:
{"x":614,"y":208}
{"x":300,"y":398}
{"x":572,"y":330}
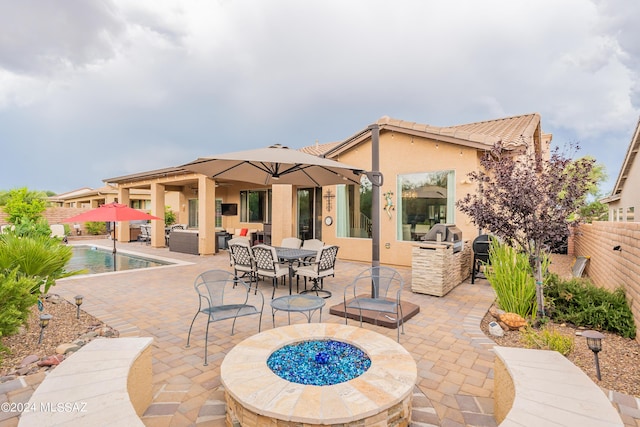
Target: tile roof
{"x":514,"y":132}
{"x":319,"y":149}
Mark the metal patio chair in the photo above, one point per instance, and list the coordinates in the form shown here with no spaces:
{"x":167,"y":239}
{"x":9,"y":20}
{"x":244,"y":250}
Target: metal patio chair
{"x":222,"y":296}
{"x":316,"y":270}
{"x":376,"y":289}
{"x":242,"y":261}
{"x":267,"y":265}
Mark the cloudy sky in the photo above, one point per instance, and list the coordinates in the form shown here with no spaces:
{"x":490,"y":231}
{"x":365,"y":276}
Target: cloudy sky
{"x":94,"y":89}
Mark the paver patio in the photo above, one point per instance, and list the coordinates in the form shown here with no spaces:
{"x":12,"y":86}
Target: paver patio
{"x":454,"y":357}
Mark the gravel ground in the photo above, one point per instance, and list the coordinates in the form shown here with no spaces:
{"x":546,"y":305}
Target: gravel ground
{"x":619,"y":358}
{"x":63,"y":328}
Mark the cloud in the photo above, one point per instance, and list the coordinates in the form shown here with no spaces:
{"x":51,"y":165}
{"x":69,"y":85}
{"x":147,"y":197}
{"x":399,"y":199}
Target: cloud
{"x":167,"y":81}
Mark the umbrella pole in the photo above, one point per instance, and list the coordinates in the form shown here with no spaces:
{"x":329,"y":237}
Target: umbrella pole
{"x":377,"y":179}
{"x":114,"y":245}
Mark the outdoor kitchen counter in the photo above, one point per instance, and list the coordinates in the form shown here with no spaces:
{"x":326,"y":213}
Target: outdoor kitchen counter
{"x":436,"y":268}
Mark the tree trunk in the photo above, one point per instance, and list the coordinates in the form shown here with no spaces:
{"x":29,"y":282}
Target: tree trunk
{"x":539,"y":282}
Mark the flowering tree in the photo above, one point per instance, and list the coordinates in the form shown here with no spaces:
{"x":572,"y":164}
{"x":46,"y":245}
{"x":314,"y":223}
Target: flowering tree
{"x":528,"y":202}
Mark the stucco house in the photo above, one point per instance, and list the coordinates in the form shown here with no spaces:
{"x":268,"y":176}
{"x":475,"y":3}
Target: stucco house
{"x":425,"y":172}
{"x":625,"y":197}
{"x":87,"y":197}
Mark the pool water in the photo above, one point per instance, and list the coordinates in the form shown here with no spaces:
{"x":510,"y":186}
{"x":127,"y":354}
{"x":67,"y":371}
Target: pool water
{"x":319,"y":362}
{"x":97,"y":260}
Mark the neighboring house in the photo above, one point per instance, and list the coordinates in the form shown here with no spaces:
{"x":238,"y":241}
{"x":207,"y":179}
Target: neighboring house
{"x":425,"y":172}
{"x":625,"y":196}
{"x":87,"y":197}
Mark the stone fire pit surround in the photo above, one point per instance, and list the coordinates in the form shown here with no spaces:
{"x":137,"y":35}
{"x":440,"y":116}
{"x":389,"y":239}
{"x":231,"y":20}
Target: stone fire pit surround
{"x":256,"y":395}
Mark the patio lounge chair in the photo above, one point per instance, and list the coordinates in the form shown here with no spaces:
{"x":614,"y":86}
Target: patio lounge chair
{"x":376,"y":289}
{"x":221,"y":296}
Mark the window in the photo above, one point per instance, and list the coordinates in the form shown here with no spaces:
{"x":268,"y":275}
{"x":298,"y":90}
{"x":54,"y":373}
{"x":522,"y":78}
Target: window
{"x":193,"y":213}
{"x":425,"y":199}
{"x":620,"y":214}
{"x":218,"y":213}
{"x":255,"y":206}
{"x":631,"y":214}
{"x":353,"y":204}
{"x":141,"y":204}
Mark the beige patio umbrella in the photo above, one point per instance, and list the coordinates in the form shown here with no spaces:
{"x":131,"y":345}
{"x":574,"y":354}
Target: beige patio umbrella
{"x":276,"y":165}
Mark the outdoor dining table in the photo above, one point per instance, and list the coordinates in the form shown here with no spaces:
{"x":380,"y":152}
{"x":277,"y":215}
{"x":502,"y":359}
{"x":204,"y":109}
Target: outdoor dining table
{"x":290,"y":255}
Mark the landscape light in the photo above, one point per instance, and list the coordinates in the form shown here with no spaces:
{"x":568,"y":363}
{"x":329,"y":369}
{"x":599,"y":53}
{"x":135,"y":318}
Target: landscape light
{"x":44,"y":321}
{"x":78,"y":304}
{"x":594,"y":341}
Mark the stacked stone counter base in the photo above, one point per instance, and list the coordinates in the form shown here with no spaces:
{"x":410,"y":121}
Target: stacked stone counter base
{"x":256,"y":396}
{"x":436,"y":269}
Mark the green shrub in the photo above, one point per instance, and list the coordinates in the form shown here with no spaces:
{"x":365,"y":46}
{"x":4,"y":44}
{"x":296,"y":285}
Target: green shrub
{"x":511,"y":278}
{"x":39,"y":258}
{"x":169,"y":217}
{"x":580,"y":302}
{"x":16,"y":300}
{"x":95,"y":228}
{"x":547,"y":339}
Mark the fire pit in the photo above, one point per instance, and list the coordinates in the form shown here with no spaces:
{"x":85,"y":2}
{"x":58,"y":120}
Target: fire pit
{"x":380,"y":394}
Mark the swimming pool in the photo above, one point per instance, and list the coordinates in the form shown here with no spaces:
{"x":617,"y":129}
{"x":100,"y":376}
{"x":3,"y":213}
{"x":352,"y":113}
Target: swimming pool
{"x":98,"y":260}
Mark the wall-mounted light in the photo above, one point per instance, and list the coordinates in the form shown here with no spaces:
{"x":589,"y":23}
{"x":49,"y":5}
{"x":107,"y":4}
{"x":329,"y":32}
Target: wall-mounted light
{"x":617,"y":248}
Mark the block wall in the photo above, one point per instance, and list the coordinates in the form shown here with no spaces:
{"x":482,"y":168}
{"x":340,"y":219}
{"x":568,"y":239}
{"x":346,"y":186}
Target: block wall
{"x":611,"y":268}
{"x":55,"y":215}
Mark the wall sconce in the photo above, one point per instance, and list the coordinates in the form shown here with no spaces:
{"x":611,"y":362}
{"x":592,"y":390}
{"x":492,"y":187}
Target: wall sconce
{"x":617,"y":248}
{"x":44,"y":321}
{"x":594,"y":341}
{"x":78,"y":304}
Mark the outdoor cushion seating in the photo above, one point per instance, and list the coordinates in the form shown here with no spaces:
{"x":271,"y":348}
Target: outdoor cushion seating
{"x":267,"y":264}
{"x":322,"y":266}
{"x":291,"y":242}
{"x":376,"y":289}
{"x":57,"y":230}
{"x":222,"y":296}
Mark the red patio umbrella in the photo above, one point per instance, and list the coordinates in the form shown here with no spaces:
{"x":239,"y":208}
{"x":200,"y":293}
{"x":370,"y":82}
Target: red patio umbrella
{"x":112,"y":212}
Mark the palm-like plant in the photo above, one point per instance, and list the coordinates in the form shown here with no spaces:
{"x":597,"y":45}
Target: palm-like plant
{"x":41,"y":258}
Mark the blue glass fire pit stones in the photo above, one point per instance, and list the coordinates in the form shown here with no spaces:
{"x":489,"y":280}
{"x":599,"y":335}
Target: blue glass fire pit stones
{"x":319,"y":362}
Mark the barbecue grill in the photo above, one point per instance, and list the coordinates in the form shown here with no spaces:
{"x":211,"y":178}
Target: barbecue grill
{"x":445,"y":233}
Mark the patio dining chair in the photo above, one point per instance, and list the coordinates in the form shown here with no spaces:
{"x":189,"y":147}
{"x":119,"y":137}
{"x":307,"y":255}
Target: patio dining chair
{"x":242,"y":261}
{"x":316,"y":270}
{"x":145,"y":234}
{"x":376,"y":289}
{"x":291,"y":242}
{"x":267,"y":265}
{"x":222,"y":296}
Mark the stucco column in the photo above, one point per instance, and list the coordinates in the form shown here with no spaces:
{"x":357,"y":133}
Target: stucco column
{"x":124,"y":234}
{"x":157,"y":209}
{"x":282,"y":224}
{"x":206,"y":215}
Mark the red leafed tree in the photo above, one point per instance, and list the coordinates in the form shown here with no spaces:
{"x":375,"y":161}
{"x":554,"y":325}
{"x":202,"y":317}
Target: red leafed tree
{"x":528,"y":202}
